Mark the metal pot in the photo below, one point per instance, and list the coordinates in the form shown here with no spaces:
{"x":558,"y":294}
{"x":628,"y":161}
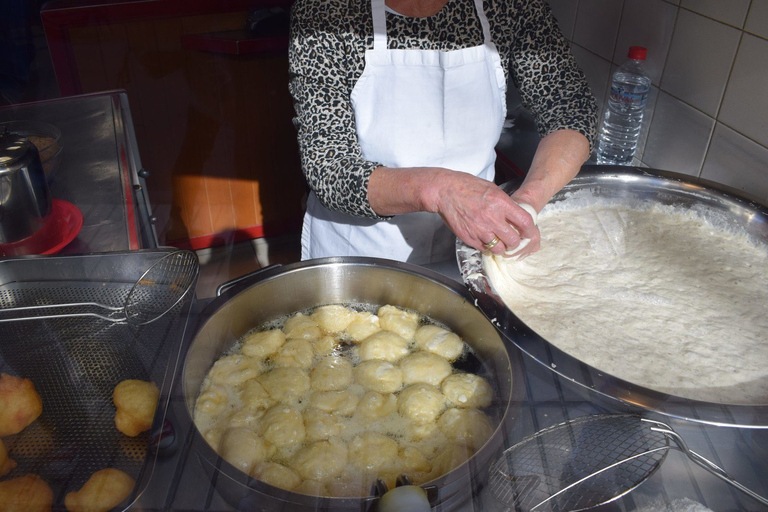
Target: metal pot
{"x":629,"y":184}
{"x":279,"y":291}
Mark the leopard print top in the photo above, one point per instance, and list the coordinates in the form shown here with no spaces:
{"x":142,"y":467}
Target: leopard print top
{"x":327,"y":56}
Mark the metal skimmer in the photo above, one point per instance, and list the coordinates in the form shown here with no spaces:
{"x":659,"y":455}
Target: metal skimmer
{"x":588,"y":462}
{"x":155,"y":293}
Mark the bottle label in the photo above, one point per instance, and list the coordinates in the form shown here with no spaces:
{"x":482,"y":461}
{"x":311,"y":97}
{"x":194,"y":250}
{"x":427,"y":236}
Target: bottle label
{"x":628,"y":96}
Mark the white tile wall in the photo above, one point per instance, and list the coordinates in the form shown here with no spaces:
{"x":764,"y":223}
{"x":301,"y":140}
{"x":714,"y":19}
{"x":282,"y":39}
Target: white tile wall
{"x":708,"y":59}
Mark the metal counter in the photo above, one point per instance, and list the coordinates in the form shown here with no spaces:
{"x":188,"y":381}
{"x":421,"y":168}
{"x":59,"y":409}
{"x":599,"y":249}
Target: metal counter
{"x":99,"y":169}
{"x":180,"y":483}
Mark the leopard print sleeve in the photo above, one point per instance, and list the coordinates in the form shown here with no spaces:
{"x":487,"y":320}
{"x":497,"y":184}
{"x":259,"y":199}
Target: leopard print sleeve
{"x":324,"y":65}
{"x":551,"y":85}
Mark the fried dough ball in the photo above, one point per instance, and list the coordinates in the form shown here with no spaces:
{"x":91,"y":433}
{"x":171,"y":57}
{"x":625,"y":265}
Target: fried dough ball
{"x":283,"y":426}
{"x":233,"y":370}
{"x":243,"y":448}
{"x":105,"y":490}
{"x":320,"y":425}
{"x":341,"y":402}
{"x":136,"y":401}
{"x":439,"y":341}
{"x":254,"y":396}
{"x":421,"y":403}
{"x":300,"y":326}
{"x":20,"y":404}
{"x":6,"y":463}
{"x":286,"y":385}
{"x":321,"y":461}
{"x":371,"y":452}
{"x":277,"y":475}
{"x":263,"y":344}
{"x":297,"y":353}
{"x":28,"y":493}
{"x":379,"y":376}
{"x":470,"y":426}
{"x":467,"y":390}
{"x":365,"y":324}
{"x":399,"y":321}
{"x":384,"y":345}
{"x":424,"y":367}
{"x":374,"y":406}
{"x":325,"y":345}
{"x":414,"y":461}
{"x":333,"y":318}
{"x":333,"y":373}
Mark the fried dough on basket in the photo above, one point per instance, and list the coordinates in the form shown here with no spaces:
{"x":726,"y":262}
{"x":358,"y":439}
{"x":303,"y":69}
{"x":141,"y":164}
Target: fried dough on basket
{"x":6,"y":463}
{"x":106,"y":489}
{"x":28,"y":493}
{"x":136,"y":401}
{"x":20,"y":404}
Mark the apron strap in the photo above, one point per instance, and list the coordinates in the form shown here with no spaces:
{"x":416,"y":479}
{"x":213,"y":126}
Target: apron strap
{"x":378,"y":10}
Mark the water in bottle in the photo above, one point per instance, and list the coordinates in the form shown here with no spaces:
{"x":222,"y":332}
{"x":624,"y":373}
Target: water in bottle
{"x":623,"y":118}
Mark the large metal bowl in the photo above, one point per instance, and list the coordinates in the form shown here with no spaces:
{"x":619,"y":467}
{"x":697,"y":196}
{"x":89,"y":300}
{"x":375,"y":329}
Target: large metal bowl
{"x":278,"y":291}
{"x":630,"y":185}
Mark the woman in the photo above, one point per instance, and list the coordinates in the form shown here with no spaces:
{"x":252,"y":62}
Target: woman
{"x":399,"y":106}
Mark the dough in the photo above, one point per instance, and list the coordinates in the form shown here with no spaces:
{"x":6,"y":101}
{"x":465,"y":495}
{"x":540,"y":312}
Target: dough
{"x":421,"y":403}
{"x":136,"y":401}
{"x":372,"y":452}
{"x":286,"y":385}
{"x":263,"y":344}
{"x":6,"y":463}
{"x":243,"y":448}
{"x":399,"y":321}
{"x":379,"y":376}
{"x":414,"y":461}
{"x":233,"y":370}
{"x":254,"y":396}
{"x":365,"y":324}
{"x":333,"y":318}
{"x":28,"y":493}
{"x":439,"y":341}
{"x":20,"y":404}
{"x":647,"y":293}
{"x":470,"y":426}
{"x":374,"y":406}
{"x":424,"y":367}
{"x":300,"y":326}
{"x":283,"y":426}
{"x":103,"y":491}
{"x":276,"y":474}
{"x":321,"y":461}
{"x":384,"y":345}
{"x":325,"y":345}
{"x":341,"y":402}
{"x":331,"y":374}
{"x":467,"y":390}
{"x":298,"y":353}
{"x":320,"y":425}
{"x":245,"y":417}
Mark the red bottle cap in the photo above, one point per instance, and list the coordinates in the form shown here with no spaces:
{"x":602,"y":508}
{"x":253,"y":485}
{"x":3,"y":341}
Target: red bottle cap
{"x":637,"y":53}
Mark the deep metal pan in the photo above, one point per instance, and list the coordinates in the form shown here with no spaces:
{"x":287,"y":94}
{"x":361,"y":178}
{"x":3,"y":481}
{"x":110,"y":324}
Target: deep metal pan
{"x":631,"y":185}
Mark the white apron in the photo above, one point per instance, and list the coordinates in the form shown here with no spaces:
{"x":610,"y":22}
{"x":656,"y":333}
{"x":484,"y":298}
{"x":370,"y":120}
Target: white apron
{"x":415,"y":108}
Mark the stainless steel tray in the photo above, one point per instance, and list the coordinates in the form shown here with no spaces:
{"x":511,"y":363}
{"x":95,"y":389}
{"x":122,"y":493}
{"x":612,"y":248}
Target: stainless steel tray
{"x":627,"y":184}
{"x":76,"y":362}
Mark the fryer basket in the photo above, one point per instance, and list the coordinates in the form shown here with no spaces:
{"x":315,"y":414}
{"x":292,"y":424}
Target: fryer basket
{"x":76,"y":362}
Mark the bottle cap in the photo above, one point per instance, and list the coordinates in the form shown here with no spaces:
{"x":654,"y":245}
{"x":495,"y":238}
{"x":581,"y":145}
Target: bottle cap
{"x":637,"y":53}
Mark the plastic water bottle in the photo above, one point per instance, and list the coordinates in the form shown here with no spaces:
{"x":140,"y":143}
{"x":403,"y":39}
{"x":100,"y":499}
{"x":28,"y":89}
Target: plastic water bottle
{"x":623,"y":116}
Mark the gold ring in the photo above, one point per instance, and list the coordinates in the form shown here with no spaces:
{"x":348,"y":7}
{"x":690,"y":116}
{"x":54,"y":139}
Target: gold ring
{"x":490,"y":245}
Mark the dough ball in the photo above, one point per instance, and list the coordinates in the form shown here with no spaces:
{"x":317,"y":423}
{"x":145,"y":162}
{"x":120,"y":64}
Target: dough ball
{"x":331,"y":374}
{"x":333,"y":318}
{"x":467,"y":390}
{"x":325,"y":345}
{"x":439,"y":341}
{"x":297,"y":353}
{"x":6,"y":463}
{"x":470,"y":426}
{"x":103,"y":491}
{"x":372,"y":452}
{"x":283,"y":426}
{"x":300,"y":326}
{"x":254,"y":396}
{"x":311,"y":488}
{"x":421,"y":403}
{"x":246,"y":417}
{"x":261,"y":345}
{"x":28,"y":493}
{"x":286,"y":385}
{"x":399,"y":321}
{"x":451,"y":457}
{"x":414,"y":461}
{"x":383,"y":345}
{"x":365,"y":324}
{"x":374,"y":406}
{"x":341,"y":402}
{"x":233,"y":370}
{"x":415,"y":432}
{"x":136,"y":401}
{"x":347,"y":488}
{"x":379,"y":376}
{"x":243,"y":448}
{"x":320,"y":425}
{"x":321,"y":461}
{"x":20,"y":404}
{"x":424,"y":367}
{"x":276,"y":474}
